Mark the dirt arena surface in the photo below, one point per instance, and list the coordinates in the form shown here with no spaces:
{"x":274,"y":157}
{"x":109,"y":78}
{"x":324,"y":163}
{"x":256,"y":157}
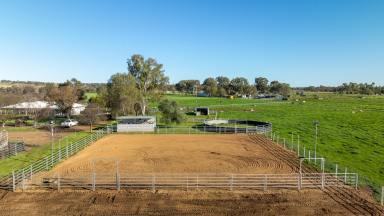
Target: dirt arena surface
{"x":186,"y":154}
{"x":42,"y":136}
{"x":35,"y":138}
{"x":306,"y":202}
{"x":175,"y":154}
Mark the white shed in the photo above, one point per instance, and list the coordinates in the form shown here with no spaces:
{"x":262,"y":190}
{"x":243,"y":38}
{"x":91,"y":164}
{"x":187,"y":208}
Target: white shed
{"x":136,"y":124}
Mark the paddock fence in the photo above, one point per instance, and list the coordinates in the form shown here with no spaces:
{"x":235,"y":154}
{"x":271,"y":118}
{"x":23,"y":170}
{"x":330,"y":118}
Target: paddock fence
{"x":11,"y":149}
{"x":13,"y":181}
{"x":206,"y":129}
{"x":124,"y":180}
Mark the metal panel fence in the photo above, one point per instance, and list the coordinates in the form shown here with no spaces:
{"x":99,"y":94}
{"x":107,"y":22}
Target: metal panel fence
{"x":206,"y":129}
{"x":18,"y":177}
{"x":96,"y":180}
{"x":11,"y":149}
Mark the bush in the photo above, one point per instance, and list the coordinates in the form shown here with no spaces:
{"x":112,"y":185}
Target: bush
{"x":170,"y":112}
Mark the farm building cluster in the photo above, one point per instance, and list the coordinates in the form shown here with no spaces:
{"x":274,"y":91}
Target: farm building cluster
{"x":26,"y":108}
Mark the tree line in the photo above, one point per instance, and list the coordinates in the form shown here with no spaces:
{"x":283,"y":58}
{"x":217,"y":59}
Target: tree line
{"x":223,"y":86}
{"x":348,"y":88}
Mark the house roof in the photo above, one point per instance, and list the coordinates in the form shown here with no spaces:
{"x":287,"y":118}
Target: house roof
{"x":38,"y":105}
{"x":31,"y":105}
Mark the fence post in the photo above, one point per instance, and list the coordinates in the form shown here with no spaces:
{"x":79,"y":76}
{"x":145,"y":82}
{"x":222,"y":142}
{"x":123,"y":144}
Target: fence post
{"x":59,"y":150}
{"x":298,"y":145}
{"x":336,"y":168}
{"x":66,"y":150}
{"x":197,"y":182}
{"x":345,"y":175}
{"x":299,"y":181}
{"x":265,"y":182}
{"x":187,"y":182}
{"x":117,"y":181}
{"x":284,"y":142}
{"x":13,"y":181}
{"x":117,"y":176}
{"x":382,"y":195}
{"x":93,"y":181}
{"x":23,"y":181}
{"x":322,"y":181}
{"x":31,"y":171}
{"x":153,"y":183}
{"x":309,"y":156}
{"x":58,"y":181}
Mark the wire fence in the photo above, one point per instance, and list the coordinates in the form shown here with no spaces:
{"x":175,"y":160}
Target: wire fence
{"x":202,"y":129}
{"x":14,"y":180}
{"x":11,"y":149}
{"x":293,"y":144}
{"x":3,"y":139}
{"x":121,"y":180}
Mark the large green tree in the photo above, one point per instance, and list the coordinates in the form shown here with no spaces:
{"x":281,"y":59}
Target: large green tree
{"x":210,"y":86}
{"x":188,"y":86}
{"x":64,"y":95}
{"x":149,"y":78}
{"x":121,"y":94}
{"x":222,"y":85}
{"x":170,"y":112}
{"x":239,"y":85}
{"x":261,"y":84}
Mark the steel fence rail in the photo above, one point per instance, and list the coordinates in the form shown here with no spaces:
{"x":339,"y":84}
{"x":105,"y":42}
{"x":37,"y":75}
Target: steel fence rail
{"x":117,"y":180}
{"x":11,"y":149}
{"x":18,"y":177}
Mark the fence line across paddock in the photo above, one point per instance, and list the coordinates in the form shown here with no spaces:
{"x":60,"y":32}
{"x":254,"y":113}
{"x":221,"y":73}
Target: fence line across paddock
{"x":123,"y":180}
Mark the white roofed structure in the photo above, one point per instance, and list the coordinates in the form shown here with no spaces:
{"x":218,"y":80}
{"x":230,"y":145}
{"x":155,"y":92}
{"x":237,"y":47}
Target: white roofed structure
{"x":31,"y":107}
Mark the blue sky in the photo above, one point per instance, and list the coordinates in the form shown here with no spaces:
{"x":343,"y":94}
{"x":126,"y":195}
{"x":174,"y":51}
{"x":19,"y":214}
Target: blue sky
{"x":304,"y":43}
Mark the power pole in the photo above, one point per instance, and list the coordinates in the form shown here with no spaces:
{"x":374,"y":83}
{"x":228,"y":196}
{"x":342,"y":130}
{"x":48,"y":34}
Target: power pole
{"x":316,"y":123}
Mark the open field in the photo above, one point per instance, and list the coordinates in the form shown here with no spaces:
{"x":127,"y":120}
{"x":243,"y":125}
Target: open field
{"x":350,"y":131}
{"x":175,"y":154}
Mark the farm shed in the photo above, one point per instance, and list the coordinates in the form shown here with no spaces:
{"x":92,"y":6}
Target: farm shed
{"x":136,"y":124}
{"x":202,"y":111}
